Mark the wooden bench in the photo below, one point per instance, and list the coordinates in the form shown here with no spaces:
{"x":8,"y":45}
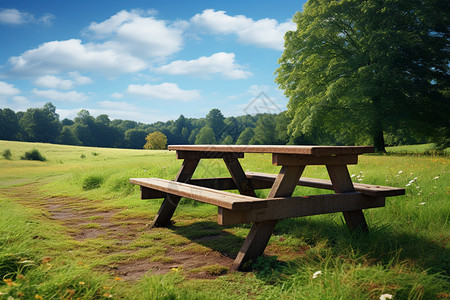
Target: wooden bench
{"x":237,"y":209}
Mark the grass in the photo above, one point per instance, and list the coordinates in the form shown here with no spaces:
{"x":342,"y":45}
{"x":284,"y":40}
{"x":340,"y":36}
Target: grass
{"x":405,"y":254}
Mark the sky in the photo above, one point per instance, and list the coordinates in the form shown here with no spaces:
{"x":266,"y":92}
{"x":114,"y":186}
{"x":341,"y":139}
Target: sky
{"x":145,"y":61}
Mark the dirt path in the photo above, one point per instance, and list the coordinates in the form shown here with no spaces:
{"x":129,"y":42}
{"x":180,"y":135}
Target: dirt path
{"x":88,"y":219}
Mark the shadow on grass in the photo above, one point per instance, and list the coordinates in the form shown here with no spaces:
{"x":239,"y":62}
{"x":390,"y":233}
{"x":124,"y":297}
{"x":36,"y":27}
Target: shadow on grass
{"x":211,"y":235}
{"x":381,"y":245}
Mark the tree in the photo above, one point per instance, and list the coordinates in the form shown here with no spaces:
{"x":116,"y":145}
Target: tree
{"x":135,"y":138}
{"x":264,"y":131}
{"x":41,"y":124}
{"x":357,"y":69}
{"x":156,"y":140}
{"x":68,"y":137}
{"x":9,"y":124}
{"x":215,"y":120}
{"x":205,"y":136}
{"x":245,"y":137}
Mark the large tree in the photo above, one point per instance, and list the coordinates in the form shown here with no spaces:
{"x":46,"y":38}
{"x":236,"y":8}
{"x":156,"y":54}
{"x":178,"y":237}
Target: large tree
{"x":41,"y":124}
{"x":358,"y":69}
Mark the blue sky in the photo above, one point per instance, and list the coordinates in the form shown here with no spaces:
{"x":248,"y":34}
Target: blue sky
{"x":145,"y":61}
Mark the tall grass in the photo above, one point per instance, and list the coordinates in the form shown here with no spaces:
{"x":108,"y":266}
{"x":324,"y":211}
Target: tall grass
{"x":405,"y":254}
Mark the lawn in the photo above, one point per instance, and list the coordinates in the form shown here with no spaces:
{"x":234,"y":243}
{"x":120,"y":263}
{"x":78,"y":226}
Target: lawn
{"x":73,"y":227}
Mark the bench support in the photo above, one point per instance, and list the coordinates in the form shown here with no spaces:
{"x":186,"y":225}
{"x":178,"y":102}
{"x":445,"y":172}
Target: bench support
{"x":342,"y":183}
{"x":260,"y":233}
{"x":170,"y":202}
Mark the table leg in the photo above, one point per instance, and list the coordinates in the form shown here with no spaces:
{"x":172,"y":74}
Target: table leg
{"x":243,"y":184}
{"x":342,"y":183}
{"x":260,"y":233}
{"x":170,"y":202}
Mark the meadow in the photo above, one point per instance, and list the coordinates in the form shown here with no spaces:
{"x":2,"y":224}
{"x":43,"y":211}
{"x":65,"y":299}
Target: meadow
{"x":73,"y":227}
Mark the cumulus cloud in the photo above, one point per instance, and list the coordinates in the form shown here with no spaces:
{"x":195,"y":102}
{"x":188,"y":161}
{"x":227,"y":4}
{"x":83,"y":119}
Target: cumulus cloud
{"x":12,"y":16}
{"x":54,"y":95}
{"x":8,"y":90}
{"x":140,"y":33}
{"x":219,"y":63}
{"x":54,"y":82}
{"x":266,"y":33}
{"x":63,"y":56}
{"x":164,"y":91}
{"x":127,"y":42}
{"x":116,"y":95}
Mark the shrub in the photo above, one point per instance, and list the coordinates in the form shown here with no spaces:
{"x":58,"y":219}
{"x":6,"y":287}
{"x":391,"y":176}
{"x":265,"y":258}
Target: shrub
{"x":7,"y":154}
{"x":92,"y":182}
{"x":33,"y":155}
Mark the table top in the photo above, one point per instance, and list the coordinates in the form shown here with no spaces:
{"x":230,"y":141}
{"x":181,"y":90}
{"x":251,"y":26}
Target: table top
{"x":280,"y":149}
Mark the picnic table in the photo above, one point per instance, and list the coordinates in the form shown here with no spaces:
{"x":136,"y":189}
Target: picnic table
{"x":348,"y":197}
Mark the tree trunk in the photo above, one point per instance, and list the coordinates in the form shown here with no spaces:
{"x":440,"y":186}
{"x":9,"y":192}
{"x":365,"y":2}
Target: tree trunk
{"x":377,"y":130}
{"x":378,"y":141}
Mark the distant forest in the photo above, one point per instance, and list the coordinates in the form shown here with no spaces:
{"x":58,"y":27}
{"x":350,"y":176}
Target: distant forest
{"x":43,"y":125}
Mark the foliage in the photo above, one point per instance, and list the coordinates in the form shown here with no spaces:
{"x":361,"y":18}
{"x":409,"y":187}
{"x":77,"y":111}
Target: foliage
{"x":156,"y":141}
{"x":205,"y":136}
{"x":9,"y":124}
{"x":354,"y":70}
{"x":41,"y":124}
{"x":7,"y":154}
{"x":33,"y":155}
{"x":92,"y":182}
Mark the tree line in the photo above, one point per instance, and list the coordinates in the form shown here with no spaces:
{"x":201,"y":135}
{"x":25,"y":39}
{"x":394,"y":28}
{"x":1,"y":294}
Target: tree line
{"x":43,"y":125}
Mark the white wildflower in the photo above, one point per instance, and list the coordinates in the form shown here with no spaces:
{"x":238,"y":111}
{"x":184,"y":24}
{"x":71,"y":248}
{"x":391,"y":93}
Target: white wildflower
{"x":421,"y":203}
{"x":316,"y":274}
{"x":400,"y":172}
{"x":437,"y":177}
{"x":385,"y":296}
{"x":353,"y":175}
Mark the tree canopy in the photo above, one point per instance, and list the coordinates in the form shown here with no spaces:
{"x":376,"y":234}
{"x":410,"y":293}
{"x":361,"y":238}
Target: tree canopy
{"x":355,"y":70}
{"x":156,"y":141}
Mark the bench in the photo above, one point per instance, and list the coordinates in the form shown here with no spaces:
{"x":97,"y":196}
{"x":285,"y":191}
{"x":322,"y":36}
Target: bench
{"x":237,"y":209}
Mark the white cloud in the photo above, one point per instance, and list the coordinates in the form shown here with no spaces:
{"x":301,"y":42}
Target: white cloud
{"x":266,"y":33}
{"x":219,"y":63}
{"x":8,"y":90}
{"x":54,"y":82}
{"x":116,"y":95}
{"x":139,"y":33}
{"x":164,"y":91}
{"x":54,"y":95}
{"x":62,"y":56}
{"x":12,"y":16}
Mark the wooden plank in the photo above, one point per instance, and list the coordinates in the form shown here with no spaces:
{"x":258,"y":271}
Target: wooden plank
{"x":302,"y":159}
{"x":241,"y":181}
{"x":290,"y":149}
{"x":254,"y":244}
{"x":219,"y":198}
{"x":170,"y":202}
{"x":206,"y":154}
{"x":260,"y":233}
{"x":342,"y":183}
{"x":293,"y":207}
{"x":366,"y":189}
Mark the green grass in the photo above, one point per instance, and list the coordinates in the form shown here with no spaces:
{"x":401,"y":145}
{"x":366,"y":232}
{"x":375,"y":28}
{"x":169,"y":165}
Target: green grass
{"x":406,"y":253}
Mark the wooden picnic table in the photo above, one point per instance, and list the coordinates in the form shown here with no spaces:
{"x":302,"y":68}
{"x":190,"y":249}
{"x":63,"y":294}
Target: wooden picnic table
{"x":349,"y":198}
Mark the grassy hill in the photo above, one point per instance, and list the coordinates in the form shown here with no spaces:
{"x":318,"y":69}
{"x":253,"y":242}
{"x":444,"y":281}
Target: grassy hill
{"x":73,"y":227}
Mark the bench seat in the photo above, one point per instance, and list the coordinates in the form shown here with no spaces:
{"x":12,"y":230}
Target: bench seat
{"x":215,"y":197}
{"x":365,"y":189}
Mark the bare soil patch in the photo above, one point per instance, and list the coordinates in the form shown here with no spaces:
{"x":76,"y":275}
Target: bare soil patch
{"x":85,"y":219}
